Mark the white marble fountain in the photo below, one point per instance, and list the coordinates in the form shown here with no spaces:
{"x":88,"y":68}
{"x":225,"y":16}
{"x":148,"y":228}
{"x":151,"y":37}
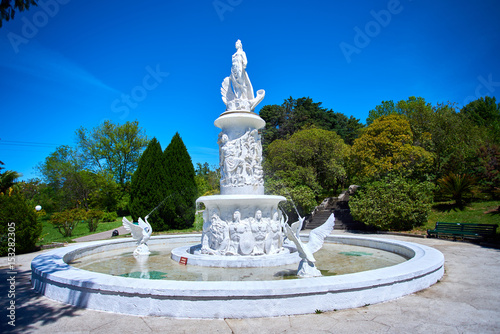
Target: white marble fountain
{"x":242,"y":228}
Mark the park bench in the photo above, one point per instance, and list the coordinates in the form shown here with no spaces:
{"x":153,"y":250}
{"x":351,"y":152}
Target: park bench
{"x":469,"y":231}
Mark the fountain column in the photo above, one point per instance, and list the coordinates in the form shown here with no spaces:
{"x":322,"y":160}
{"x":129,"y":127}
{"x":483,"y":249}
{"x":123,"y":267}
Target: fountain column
{"x":241,"y":221}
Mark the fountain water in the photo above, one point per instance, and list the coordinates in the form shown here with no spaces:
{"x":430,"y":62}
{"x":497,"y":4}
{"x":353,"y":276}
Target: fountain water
{"x":242,"y":228}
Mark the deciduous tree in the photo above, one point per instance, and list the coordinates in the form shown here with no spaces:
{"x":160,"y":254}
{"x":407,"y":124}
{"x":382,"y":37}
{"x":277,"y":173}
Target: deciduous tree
{"x":387,"y":146}
{"x":113,"y":148}
{"x":312,"y":160}
{"x":296,"y":114}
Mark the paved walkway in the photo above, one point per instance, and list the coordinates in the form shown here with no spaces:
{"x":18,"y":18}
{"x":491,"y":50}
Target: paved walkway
{"x":102,"y":235}
{"x":466,"y":300}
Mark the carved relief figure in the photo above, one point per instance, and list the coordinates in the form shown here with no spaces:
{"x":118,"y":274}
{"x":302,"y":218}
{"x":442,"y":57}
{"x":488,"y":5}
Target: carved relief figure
{"x":274,"y":239}
{"x":259,"y":230}
{"x":240,"y":159}
{"x":246,"y":239}
{"x":230,"y":160}
{"x":216,"y":239}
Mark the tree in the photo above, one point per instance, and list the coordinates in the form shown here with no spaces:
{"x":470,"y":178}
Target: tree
{"x":8,"y":8}
{"x":296,"y":114}
{"x":58,"y":165}
{"x":18,"y":218}
{"x":440,"y":129}
{"x":311,"y":163}
{"x":7,"y":179}
{"x":207,"y":180}
{"x":149,"y":186}
{"x":485,"y":112}
{"x":412,"y":107}
{"x":386,"y":108}
{"x":454,"y":140}
{"x":38,"y":193}
{"x":488,"y":168}
{"x":393,"y":203}
{"x":179,"y":209}
{"x":113,"y":148}
{"x":386,"y":146}
{"x":57,"y":170}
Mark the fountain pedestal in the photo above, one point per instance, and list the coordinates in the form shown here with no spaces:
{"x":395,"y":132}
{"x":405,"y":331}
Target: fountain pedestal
{"x":242,"y":221}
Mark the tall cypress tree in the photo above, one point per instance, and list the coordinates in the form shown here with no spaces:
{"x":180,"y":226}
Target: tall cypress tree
{"x":179,"y":209}
{"x":149,"y":186}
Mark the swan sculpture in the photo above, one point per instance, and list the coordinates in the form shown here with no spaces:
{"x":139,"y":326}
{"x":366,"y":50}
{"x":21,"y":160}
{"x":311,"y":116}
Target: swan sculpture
{"x":141,"y":233}
{"x":307,"y":268}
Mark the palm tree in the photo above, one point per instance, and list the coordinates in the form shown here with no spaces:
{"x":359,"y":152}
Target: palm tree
{"x":7,"y":179}
{"x":457,"y":186}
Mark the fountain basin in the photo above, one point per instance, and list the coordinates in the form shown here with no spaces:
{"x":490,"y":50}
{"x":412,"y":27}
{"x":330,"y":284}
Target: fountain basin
{"x":54,"y":278}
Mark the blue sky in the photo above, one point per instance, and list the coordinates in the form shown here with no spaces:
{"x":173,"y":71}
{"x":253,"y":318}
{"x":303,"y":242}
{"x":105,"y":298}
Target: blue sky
{"x":72,"y":63}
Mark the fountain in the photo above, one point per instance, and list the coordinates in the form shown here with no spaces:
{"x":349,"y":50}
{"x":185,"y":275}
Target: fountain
{"x":241,"y":221}
{"x":242,"y":230}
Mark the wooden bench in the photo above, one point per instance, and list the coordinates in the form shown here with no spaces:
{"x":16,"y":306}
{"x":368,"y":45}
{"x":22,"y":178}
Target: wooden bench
{"x":469,"y":231}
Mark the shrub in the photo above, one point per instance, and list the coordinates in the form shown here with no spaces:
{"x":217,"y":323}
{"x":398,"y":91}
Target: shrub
{"x":394,"y":203}
{"x":14,"y":209}
{"x":67,"y":220}
{"x":109,"y":216}
{"x":93,"y":217}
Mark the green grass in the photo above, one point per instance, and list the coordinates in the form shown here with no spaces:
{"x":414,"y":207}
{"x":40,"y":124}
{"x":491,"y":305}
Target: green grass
{"x":50,"y":234}
{"x":481,"y":212}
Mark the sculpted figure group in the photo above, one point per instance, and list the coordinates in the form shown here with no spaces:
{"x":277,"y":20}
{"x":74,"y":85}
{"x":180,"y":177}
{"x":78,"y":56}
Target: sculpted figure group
{"x":251,"y":236}
{"x":241,"y":159}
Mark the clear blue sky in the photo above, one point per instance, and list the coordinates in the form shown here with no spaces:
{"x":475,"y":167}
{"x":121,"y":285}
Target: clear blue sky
{"x":70,"y":64}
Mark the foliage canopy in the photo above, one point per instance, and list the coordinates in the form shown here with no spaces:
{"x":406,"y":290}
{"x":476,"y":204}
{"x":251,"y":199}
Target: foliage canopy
{"x":386,"y":146}
{"x":394,"y":203}
{"x":310,"y":165}
{"x":16,"y":215}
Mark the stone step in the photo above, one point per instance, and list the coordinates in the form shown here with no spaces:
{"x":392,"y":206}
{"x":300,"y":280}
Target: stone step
{"x":320,"y":217}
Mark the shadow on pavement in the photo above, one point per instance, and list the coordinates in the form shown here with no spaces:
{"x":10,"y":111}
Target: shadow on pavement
{"x":30,"y":308}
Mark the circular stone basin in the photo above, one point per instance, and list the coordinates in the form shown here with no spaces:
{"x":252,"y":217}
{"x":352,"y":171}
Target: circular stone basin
{"x":332,"y":259}
{"x":55,"y":278}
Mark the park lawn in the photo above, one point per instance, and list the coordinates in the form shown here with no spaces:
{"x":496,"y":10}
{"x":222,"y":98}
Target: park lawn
{"x":50,"y":234}
{"x":481,"y":212}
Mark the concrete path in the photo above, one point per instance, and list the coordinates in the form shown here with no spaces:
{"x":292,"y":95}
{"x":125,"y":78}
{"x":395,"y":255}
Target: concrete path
{"x":466,"y":300}
{"x":102,"y":235}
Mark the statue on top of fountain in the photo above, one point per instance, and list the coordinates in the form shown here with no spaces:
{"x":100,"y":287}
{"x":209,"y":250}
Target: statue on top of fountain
{"x":237,"y":90}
